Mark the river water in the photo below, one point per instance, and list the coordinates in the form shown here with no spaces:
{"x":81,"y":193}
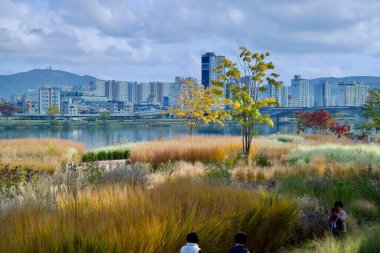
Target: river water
{"x":94,"y":137}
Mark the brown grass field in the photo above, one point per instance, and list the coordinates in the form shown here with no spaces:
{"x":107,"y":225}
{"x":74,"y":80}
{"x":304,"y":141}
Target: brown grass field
{"x":39,"y":154}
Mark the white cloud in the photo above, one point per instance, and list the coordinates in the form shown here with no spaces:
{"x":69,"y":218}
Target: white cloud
{"x":140,"y":39}
{"x":236,"y":16}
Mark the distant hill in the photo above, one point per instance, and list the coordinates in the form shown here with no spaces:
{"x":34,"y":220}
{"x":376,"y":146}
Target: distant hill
{"x":372,"y":81}
{"x":17,"y":83}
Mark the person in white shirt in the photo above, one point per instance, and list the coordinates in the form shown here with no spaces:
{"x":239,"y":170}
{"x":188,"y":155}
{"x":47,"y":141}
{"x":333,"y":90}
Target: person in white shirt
{"x":192,"y":244}
{"x":337,"y":219}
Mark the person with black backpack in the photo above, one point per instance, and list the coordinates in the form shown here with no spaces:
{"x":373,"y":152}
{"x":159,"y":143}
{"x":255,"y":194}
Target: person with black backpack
{"x":337,"y":219}
{"x":240,"y":240}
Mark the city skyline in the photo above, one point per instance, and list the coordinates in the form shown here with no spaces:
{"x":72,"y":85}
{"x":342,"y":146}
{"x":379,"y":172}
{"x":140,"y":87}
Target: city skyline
{"x":123,"y":40}
{"x":125,"y":98}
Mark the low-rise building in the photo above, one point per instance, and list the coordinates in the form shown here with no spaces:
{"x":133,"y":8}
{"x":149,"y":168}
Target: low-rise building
{"x":119,"y":108}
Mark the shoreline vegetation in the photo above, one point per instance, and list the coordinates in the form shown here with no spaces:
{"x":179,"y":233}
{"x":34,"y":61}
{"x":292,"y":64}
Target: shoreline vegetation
{"x":158,"y":191}
{"x":14,"y":124}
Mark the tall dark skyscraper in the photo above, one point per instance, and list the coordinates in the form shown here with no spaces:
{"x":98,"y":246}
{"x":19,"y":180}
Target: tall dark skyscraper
{"x":209,"y":62}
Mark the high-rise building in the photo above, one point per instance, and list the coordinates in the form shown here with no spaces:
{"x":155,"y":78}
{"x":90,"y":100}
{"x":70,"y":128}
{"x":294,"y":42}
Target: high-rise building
{"x":266,"y":93}
{"x":355,"y":94}
{"x":280,"y":94}
{"x":323,"y":94}
{"x":112,"y":90}
{"x":49,"y":96}
{"x":159,"y":90}
{"x":31,"y":95}
{"x":210,"y":62}
{"x":143,"y":92}
{"x":163,"y":91}
{"x":182,"y":79}
{"x":98,"y":88}
{"x":247,"y":82}
{"x":176,"y":88}
{"x":175,"y":91}
{"x":132,"y":91}
{"x":299,"y":92}
{"x":361,"y":91}
{"x":122,"y":92}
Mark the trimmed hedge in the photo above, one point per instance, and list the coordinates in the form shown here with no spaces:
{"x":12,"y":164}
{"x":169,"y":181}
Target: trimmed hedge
{"x":102,"y":155}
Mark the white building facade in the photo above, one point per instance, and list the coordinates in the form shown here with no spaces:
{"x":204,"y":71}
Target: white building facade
{"x":49,"y":96}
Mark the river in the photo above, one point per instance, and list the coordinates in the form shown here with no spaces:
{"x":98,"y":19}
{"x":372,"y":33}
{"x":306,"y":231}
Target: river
{"x":94,"y":137}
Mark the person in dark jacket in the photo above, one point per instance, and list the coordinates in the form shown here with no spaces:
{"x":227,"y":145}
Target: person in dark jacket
{"x":337,"y":219}
{"x":241,"y":241}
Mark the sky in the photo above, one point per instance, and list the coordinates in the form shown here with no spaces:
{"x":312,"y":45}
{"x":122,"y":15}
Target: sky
{"x":156,"y":40}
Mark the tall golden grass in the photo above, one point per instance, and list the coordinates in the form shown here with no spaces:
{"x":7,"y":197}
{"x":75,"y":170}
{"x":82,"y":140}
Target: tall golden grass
{"x":362,"y":241}
{"x":39,"y":154}
{"x":275,"y":150}
{"x":318,"y":166}
{"x":369,"y":154}
{"x":186,"y":148}
{"x":324,"y":139}
{"x":122,"y":218}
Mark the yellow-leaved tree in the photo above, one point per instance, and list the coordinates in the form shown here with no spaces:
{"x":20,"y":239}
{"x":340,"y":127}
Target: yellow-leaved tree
{"x":246,"y":100}
{"x":197,"y":105}
{"x":52,"y":111}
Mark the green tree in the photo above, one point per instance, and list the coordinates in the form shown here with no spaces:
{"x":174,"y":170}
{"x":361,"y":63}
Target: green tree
{"x":246,"y":96}
{"x":197,"y":105}
{"x":52,"y":111}
{"x":372,"y":109}
{"x":105,"y":116}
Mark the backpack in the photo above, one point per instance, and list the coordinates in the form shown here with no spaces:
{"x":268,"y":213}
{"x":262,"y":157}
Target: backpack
{"x":339,"y":226}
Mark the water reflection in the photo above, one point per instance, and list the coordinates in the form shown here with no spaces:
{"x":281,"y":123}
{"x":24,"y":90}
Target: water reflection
{"x":103,"y":136}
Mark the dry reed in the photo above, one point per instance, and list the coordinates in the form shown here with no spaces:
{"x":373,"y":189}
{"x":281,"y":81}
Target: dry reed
{"x":122,"y":218}
{"x":39,"y":154}
{"x":186,"y":148}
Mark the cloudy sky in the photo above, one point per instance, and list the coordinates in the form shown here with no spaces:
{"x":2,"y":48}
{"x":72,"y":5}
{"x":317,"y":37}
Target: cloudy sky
{"x":148,"y":40}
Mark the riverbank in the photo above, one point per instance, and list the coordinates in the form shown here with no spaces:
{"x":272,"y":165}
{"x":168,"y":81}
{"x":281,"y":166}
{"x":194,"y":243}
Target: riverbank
{"x":11,"y":124}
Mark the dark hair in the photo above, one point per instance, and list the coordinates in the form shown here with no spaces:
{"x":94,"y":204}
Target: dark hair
{"x":241,"y":238}
{"x":192,"y":237}
{"x":338,"y":203}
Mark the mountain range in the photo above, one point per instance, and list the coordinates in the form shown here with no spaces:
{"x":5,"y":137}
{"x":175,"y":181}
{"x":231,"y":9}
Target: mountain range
{"x":16,"y":84}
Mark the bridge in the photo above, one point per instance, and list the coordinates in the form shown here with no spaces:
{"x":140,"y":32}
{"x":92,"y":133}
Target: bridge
{"x":279,"y":112}
{"x":287,"y":111}
{"x":355,"y":114}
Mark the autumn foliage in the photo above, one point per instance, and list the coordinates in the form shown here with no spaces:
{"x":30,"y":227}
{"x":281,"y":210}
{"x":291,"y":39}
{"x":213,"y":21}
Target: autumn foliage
{"x":7,"y":110}
{"x":340,"y":129}
{"x":320,"y":121}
